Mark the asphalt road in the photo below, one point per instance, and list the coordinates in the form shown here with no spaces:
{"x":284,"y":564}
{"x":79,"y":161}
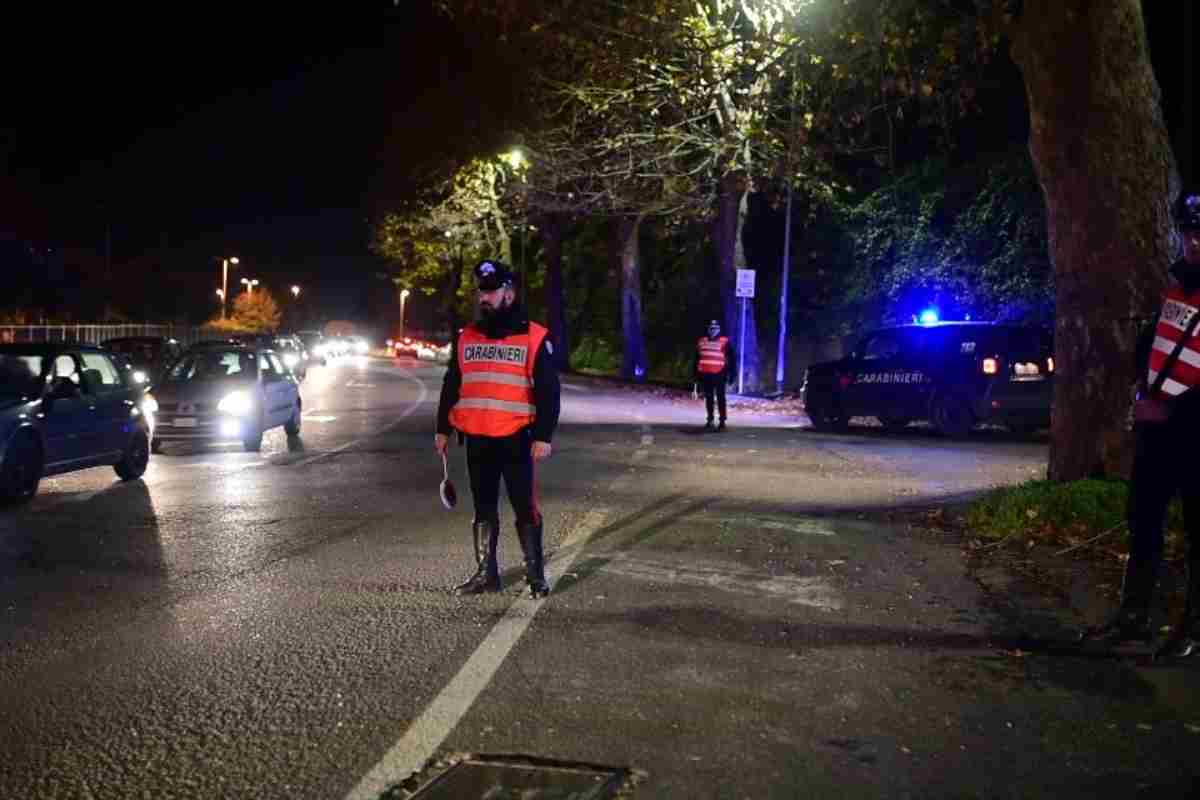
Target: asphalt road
{"x":731,"y":617}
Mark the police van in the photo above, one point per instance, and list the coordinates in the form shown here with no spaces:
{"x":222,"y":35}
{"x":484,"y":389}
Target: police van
{"x":953,"y":374}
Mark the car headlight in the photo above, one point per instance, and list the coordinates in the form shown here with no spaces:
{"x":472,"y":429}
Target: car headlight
{"x":139,"y":376}
{"x":291,"y":359}
{"x":361,"y":347}
{"x":238,"y":403}
{"x":149,"y":405}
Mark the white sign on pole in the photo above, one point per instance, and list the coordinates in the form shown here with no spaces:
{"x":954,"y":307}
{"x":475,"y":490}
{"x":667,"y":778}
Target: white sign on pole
{"x":745,"y":283}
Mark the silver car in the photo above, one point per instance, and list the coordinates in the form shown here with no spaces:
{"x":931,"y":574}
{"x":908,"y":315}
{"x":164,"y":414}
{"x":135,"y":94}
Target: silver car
{"x":226,"y":393}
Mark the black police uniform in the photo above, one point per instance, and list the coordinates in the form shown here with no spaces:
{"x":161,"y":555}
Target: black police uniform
{"x":490,"y":458}
{"x":1164,"y":464}
{"x":713,"y":383}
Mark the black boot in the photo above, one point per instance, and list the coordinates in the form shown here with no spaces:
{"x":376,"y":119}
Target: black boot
{"x":1185,"y":639}
{"x":1130,"y":626}
{"x":720,"y":426}
{"x":487,"y":575}
{"x":531,"y":545}
{"x":708,"y":426}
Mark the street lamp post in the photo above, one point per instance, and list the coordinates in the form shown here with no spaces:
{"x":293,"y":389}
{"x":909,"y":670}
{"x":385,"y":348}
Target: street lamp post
{"x":403,"y":297}
{"x":250,"y":284}
{"x":225,"y":262}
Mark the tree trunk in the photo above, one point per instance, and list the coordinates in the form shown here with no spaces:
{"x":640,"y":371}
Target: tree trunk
{"x":1103,"y":159}
{"x":633,"y":362}
{"x":552,"y":229}
{"x":451,"y":310}
{"x":725,"y":236}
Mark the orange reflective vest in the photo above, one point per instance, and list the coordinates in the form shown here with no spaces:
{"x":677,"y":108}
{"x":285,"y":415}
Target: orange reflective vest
{"x":1173,"y":321}
{"x":712,"y":354}
{"x":496,"y":397}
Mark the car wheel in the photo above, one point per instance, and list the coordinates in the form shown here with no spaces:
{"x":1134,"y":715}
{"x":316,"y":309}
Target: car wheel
{"x":951,"y":416}
{"x":253,"y":441}
{"x":135,"y":459}
{"x":292,"y":426}
{"x":21,"y":471}
{"x":825,"y":419}
{"x":894,"y":424}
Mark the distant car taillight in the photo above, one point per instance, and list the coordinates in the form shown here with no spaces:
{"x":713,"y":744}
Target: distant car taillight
{"x":990,"y":366}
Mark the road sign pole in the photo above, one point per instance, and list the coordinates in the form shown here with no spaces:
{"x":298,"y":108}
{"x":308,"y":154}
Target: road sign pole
{"x":742,"y":348}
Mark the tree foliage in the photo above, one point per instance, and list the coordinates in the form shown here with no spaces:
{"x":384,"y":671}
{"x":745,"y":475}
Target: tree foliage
{"x":253,"y":312}
{"x":968,"y":239}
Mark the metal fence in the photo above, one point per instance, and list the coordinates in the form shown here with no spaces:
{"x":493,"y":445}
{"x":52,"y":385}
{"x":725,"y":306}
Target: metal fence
{"x":95,"y":334}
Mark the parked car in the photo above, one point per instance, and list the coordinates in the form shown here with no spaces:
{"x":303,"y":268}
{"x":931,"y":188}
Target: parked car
{"x":147,"y":355}
{"x":233,"y":392}
{"x":954,"y":374}
{"x":67,"y":407}
{"x":294,"y":356}
{"x":314,"y":344}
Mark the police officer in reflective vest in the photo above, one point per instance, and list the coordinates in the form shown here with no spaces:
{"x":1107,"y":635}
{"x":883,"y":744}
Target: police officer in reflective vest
{"x":502,"y":391}
{"x":1167,"y":429}
{"x":714,"y":357}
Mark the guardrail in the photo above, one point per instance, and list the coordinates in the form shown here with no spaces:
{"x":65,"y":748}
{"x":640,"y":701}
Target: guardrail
{"x":95,"y":334}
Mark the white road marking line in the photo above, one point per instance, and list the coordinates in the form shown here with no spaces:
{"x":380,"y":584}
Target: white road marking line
{"x":318,"y":418}
{"x":440,"y":718}
{"x":409,"y":412}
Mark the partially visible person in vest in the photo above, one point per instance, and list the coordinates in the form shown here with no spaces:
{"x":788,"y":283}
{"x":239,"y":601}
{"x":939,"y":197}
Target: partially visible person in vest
{"x":714,"y":358}
{"x":501,"y":390}
{"x":1167,"y":431}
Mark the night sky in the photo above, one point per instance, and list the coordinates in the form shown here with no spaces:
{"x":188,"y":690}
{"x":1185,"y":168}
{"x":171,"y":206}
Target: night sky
{"x":207,"y":130}
{"x":272,"y":138}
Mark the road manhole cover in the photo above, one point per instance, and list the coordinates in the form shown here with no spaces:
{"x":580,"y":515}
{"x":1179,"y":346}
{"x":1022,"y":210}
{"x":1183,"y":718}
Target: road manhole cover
{"x":481,"y":777}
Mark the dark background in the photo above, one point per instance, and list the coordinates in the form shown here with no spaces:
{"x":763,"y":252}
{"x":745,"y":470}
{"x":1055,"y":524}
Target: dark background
{"x":146,"y":145}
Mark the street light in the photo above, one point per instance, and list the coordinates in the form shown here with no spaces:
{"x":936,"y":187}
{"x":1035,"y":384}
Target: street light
{"x":403,"y":296}
{"x":225,"y":262}
{"x":295,"y":291}
{"x":250,"y":284}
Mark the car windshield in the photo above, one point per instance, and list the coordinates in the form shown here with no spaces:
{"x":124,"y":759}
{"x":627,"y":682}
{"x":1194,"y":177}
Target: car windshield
{"x":20,"y":377}
{"x":212,"y":365}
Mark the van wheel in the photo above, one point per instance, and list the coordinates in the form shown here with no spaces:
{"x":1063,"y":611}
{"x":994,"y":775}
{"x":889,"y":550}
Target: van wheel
{"x":137,"y":455}
{"x":951,"y":416}
{"x":827,"y":420}
{"x":21,"y":471}
{"x":253,"y":441}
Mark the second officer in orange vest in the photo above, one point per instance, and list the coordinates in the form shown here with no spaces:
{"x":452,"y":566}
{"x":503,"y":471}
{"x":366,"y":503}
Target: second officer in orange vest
{"x":502,"y":392}
{"x":714,"y":358}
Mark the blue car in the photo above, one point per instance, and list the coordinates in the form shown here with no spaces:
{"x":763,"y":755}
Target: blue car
{"x":67,"y":407}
